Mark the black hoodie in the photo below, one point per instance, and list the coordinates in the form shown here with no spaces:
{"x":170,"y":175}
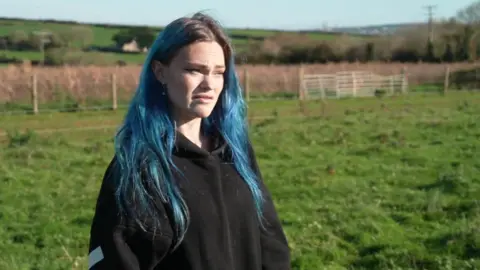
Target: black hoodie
{"x":224,"y":233}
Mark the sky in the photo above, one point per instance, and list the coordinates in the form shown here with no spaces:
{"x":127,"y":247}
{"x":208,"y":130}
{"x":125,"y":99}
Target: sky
{"x":279,"y":14}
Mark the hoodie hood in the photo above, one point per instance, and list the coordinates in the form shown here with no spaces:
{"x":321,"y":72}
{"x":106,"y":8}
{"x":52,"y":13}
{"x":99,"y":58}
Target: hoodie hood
{"x":187,"y":149}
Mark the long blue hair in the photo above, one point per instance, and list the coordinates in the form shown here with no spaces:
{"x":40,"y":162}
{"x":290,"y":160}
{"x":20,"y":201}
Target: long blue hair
{"x":144,"y":142}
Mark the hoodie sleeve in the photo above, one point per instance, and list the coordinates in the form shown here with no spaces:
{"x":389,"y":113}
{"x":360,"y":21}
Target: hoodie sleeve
{"x":118,"y":244}
{"x":275,"y":249}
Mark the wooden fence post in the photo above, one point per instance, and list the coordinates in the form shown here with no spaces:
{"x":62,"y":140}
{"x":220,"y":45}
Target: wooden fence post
{"x":114,"y":92}
{"x":246,"y":84}
{"x":404,"y":80}
{"x":446,"y":82}
{"x":301,"y":90}
{"x":34,"y":94}
{"x":392,"y":86}
{"x":302,"y":93}
{"x":337,"y":86}
{"x":354,"y":84}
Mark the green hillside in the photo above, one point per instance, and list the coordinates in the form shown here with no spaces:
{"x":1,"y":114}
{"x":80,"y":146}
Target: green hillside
{"x":103,"y":33}
{"x":102,"y":36}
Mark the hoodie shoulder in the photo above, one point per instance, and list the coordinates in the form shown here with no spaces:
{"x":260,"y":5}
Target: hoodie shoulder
{"x":116,"y":242}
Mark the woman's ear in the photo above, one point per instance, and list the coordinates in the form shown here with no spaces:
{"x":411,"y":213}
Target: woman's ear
{"x":159,"y":71}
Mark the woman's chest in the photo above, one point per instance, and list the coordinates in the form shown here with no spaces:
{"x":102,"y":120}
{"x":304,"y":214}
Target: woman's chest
{"x":214,"y":190}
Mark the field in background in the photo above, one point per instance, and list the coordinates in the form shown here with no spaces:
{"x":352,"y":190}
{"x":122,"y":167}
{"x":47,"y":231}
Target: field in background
{"x":91,"y":86}
{"x":359,"y":184}
{"x":108,"y":57}
{"x":102,"y":37}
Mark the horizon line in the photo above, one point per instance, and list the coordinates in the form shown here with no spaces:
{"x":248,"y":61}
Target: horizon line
{"x":228,"y":27}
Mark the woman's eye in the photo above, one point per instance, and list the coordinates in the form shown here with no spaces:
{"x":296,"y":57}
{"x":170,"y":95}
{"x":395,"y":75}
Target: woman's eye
{"x":193,"y":70}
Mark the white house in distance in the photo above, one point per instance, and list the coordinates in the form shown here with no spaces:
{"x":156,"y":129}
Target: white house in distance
{"x":132,"y":46}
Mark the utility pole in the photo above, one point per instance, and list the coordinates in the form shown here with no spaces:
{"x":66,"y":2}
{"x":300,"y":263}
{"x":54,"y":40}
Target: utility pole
{"x":430,"y":10}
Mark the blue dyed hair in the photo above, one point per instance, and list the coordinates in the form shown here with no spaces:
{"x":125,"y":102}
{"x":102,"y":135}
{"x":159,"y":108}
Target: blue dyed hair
{"x":144,"y":143}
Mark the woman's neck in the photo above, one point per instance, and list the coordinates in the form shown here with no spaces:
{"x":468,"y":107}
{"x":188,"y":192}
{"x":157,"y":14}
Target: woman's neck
{"x":192,"y":130}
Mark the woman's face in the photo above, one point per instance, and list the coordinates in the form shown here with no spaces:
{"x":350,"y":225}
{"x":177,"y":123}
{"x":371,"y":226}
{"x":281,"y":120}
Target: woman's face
{"x":194,"y":79}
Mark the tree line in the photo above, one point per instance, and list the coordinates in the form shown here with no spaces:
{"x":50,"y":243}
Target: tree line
{"x":68,"y":44}
{"x":456,"y":39}
{"x":453,"y":42}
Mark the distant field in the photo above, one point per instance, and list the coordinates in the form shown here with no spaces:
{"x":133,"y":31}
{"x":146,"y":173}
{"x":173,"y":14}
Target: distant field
{"x":390,"y":184}
{"x":103,"y":36}
{"x":109,"y":58}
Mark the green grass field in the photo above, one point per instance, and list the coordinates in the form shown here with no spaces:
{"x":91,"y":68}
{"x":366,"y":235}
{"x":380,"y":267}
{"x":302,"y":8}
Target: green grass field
{"x":359,"y":184}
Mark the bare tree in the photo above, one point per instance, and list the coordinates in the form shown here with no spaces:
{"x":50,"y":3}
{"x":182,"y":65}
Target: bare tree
{"x":470,"y":16}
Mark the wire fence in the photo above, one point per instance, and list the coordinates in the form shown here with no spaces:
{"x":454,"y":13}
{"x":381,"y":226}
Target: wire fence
{"x":95,"y":88}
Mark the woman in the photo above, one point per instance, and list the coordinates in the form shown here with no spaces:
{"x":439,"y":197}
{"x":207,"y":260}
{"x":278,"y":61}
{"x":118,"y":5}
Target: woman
{"x":183,"y":190}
